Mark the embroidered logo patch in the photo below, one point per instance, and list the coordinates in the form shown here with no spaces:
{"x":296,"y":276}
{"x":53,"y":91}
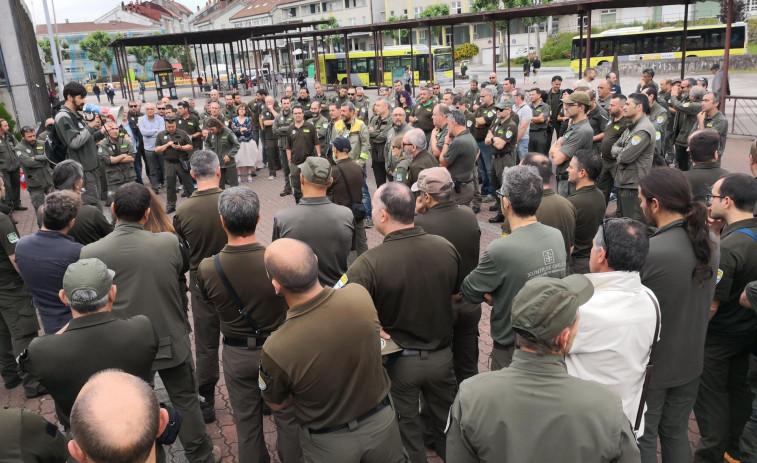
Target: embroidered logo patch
{"x":12,"y":238}
{"x":720,"y":276}
{"x":342,"y":281}
{"x":635,"y":140}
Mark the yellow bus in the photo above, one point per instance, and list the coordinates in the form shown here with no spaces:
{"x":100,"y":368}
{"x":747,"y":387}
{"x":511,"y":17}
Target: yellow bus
{"x":363,"y":70}
{"x":635,"y":43}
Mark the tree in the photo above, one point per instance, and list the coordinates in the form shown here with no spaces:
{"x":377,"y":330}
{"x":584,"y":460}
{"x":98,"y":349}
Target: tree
{"x":492,"y":5}
{"x":396,"y":34}
{"x":44,"y":45}
{"x":141,"y":56}
{"x":739,"y":11}
{"x":435,"y":11}
{"x":95,"y":45}
{"x":330,"y":39}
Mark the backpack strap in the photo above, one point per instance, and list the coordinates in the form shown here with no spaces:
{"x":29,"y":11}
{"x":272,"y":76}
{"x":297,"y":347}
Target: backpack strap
{"x":233,"y":294}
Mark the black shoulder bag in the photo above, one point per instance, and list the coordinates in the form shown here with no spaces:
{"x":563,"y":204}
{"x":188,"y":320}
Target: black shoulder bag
{"x":358,"y":210}
{"x":234,"y":295}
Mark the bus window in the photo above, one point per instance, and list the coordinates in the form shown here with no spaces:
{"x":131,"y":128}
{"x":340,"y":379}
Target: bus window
{"x":626,"y":46}
{"x":671,"y":42}
{"x":714,"y":39}
{"x":738,"y":36}
{"x":358,"y":65}
{"x":341,"y":65}
{"x":695,"y":42}
{"x":602,"y":47}
{"x":421,"y":66}
{"x":332,"y":71}
{"x":372,"y":77}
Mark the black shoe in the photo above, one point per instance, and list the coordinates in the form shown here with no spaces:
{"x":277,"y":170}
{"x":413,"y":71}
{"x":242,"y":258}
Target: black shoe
{"x":20,"y":208}
{"x":34,"y":393}
{"x":476,"y":209}
{"x":494,"y":208}
{"x":184,"y":194}
{"x":13,"y":383}
{"x":170,"y":210}
{"x":286,"y":192}
{"x":498,"y":219}
{"x":208,"y":411}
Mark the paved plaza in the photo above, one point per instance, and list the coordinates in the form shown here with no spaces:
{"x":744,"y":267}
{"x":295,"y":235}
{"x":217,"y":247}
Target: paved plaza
{"x":223,"y":431}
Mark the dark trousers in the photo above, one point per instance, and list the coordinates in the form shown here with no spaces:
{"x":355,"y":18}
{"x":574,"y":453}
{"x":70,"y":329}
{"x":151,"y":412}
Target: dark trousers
{"x":606,"y":179}
{"x":484,"y":168}
{"x":724,"y":399}
{"x":465,"y":339}
{"x":138,"y":156}
{"x":228,"y":176}
{"x":207,"y":338}
{"x":154,"y":163}
{"x":502,"y":357}
{"x":12,"y":180}
{"x":284,"y":163}
{"x":91,"y":193}
{"x":173,"y":170}
{"x":294,"y":182}
{"x":667,"y":416}
{"x":18,"y":326}
{"x":180,"y":385}
{"x":537,"y":141}
{"x":682,"y":157}
{"x":551,"y":132}
{"x":272,"y":160}
{"x":430,"y":374}
{"x":629,"y":204}
{"x":379,"y":172}
{"x":748,"y":443}
{"x":240,"y":371}
{"x":366,"y":194}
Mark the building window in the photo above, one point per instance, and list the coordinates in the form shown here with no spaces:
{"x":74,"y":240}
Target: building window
{"x":581,"y":23}
{"x":422,"y":35}
{"x":382,"y":17}
{"x":456,"y":7}
{"x":292,"y":12}
{"x":353,"y":22}
{"x":482,"y":31}
{"x":314,"y":8}
{"x":417,"y":12}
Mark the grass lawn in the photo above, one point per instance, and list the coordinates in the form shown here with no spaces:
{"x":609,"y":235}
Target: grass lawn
{"x":564,"y":63}
{"x":752,"y":49}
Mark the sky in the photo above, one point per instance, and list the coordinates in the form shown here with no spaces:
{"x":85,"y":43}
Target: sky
{"x":83,"y":10}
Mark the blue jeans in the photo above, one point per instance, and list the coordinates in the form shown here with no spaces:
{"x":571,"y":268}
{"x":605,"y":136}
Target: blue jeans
{"x":522,"y":148}
{"x":484,"y":167}
{"x":366,"y":195}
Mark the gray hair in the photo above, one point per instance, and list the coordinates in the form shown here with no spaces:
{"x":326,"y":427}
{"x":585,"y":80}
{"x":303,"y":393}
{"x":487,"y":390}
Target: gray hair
{"x":67,"y":174}
{"x":520,"y":93}
{"x":240,"y":207}
{"x":592,"y":94}
{"x":696,"y":93}
{"x":443,"y":109}
{"x":488,"y":91}
{"x":581,"y":85}
{"x":84,"y":301}
{"x":417,"y":138}
{"x":203,"y":163}
{"x":456,"y":116}
{"x":349,"y":105}
{"x":522,"y":186}
{"x":359,"y":88}
{"x":715,"y":96}
{"x":627,"y":243}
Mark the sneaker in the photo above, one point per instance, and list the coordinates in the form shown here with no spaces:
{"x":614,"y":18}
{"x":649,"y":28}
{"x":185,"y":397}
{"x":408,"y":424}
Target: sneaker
{"x":249,"y":178}
{"x":613,"y":197}
{"x":271,"y":177}
{"x":489,"y":199}
{"x":368,"y":223}
{"x":208,"y":411}
{"x":34,"y":393}
{"x":13,"y":383}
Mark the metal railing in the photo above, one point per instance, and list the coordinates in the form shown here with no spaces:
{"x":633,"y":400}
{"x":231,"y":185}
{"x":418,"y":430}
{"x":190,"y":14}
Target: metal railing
{"x":741,"y":112}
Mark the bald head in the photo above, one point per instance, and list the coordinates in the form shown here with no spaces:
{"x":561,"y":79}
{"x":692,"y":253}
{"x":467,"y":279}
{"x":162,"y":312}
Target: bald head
{"x":116,"y":417}
{"x":292,"y":264}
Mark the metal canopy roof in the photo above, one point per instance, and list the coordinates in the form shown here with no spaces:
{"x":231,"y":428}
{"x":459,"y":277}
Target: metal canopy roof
{"x":213,"y":36}
{"x":550,"y":9}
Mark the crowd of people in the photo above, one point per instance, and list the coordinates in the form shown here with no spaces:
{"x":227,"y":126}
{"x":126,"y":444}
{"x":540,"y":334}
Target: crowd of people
{"x":608,"y":329}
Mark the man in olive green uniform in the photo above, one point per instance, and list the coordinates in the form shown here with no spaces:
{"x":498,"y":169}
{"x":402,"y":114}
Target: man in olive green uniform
{"x":356,"y":131}
{"x":321,"y":124}
{"x":229,"y":110}
{"x":419,"y":321}
{"x":579,"y":135}
{"x":176,"y":147}
{"x":128,"y":344}
{"x":712,"y":118}
{"x":616,"y":126}
{"x":473,"y":94}
{"x":10,"y":167}
{"x":459,"y":156}
{"x":589,"y":205}
{"x":484,"y":115}
{"x":117,"y":155}
{"x":148,"y":266}
{"x":361,"y":103}
{"x":18,"y":319}
{"x":27,"y":437}
{"x":222,"y":141}
{"x":422,"y":113}
{"x":485,"y":422}
{"x":687,"y":108}
{"x":658,"y":115}
{"x":417,"y":158}
{"x":503,"y":139}
{"x":322,"y":99}
{"x":190,"y":124}
{"x":531,"y":249}
{"x":537,"y":135}
{"x":399,"y":127}
{"x":197,"y":222}
{"x":439,"y":134}
{"x":703,"y":149}
{"x":597,"y":116}
{"x":437,"y":214}
{"x":723,"y":403}
{"x":37,"y":170}
{"x":281,"y":124}
{"x":350,"y":416}
{"x":378,"y":128}
{"x":301,"y":142}
{"x":244,"y":334}
{"x":634,"y":152}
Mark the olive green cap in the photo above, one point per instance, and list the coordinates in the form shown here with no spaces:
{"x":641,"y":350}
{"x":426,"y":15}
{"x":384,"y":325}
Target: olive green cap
{"x":546,"y":306}
{"x":316,"y":170}
{"x":578,"y":97}
{"x":90,"y":274}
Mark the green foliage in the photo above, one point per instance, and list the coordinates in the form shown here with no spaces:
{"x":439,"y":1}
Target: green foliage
{"x":739,"y":11}
{"x":488,"y":5}
{"x":332,"y":24}
{"x":557,"y":47}
{"x":141,"y":55}
{"x":44,"y":45}
{"x":4,"y":114}
{"x":396,"y":34}
{"x":95,"y":45}
{"x":435,"y":11}
{"x":465,"y":51}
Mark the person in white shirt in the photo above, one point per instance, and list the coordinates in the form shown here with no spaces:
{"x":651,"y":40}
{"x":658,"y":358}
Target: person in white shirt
{"x":618,"y":323}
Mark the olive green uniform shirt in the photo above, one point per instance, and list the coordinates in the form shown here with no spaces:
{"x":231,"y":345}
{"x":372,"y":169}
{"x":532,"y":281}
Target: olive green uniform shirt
{"x":378,"y":136}
{"x":37,"y":170}
{"x":589,"y":204}
{"x":701,"y":177}
{"x":224,"y":143}
{"x":423,"y":160}
{"x":333,"y":372}
{"x":508,"y":131}
{"x":489,"y":113}
{"x":179,"y":136}
{"x":121,"y":172}
{"x":559,"y":213}
{"x":191,"y":126}
{"x":411,"y":278}
{"x":579,"y":136}
{"x":302,"y":141}
{"x":540,"y":110}
{"x":686,"y":117}
{"x":461,"y":157}
{"x":321,"y":125}
{"x":8,"y":158}
{"x":500,"y":417}
{"x":245,"y":269}
{"x":422,"y":111}
{"x":717,"y":122}
{"x":280,"y":126}
{"x":26,"y":437}
{"x":457,"y":224}
{"x":634,"y":152}
{"x":613,"y":132}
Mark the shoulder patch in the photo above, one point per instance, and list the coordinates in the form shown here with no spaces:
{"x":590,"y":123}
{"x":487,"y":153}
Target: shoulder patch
{"x":28,"y":150}
{"x":616,"y":127}
{"x":12,"y":237}
{"x":635,"y":140}
{"x":509,"y":134}
{"x":261,"y":384}
{"x":708,"y":125}
{"x":342,"y":281}
{"x":657,"y":135}
{"x":686,"y":105}
{"x":720,"y":276}
{"x":660,"y":119}
{"x":469,"y":124}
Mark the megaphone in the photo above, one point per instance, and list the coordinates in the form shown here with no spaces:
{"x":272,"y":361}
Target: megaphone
{"x":115,"y":114}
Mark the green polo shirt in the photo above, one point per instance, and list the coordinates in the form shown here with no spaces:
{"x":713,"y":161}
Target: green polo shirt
{"x":589,"y":202}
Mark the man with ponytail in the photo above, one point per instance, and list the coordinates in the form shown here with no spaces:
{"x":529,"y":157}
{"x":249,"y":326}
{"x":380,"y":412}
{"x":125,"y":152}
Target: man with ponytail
{"x":681,"y":270}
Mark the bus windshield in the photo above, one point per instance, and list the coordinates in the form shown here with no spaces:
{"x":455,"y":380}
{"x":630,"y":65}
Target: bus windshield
{"x":443,"y":62}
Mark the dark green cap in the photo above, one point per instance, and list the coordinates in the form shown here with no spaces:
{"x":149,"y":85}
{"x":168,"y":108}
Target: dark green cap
{"x":316,"y":170}
{"x":90,"y":274}
{"x":546,"y":306}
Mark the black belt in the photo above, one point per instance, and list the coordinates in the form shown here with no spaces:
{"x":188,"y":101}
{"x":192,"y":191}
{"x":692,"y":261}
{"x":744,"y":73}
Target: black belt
{"x":499,"y":346}
{"x":414,"y":352}
{"x":251,"y":342}
{"x":382,"y":405}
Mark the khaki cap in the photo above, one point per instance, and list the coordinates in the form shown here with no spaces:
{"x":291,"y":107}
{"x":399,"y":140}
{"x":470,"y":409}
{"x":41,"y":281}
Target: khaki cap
{"x":578,"y":97}
{"x":316,"y":170}
{"x":433,"y":181}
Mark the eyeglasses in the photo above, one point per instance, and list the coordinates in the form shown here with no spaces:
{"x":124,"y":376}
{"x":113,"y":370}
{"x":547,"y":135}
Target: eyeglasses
{"x":709,"y":197}
{"x":132,"y":106}
{"x":604,"y":234}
